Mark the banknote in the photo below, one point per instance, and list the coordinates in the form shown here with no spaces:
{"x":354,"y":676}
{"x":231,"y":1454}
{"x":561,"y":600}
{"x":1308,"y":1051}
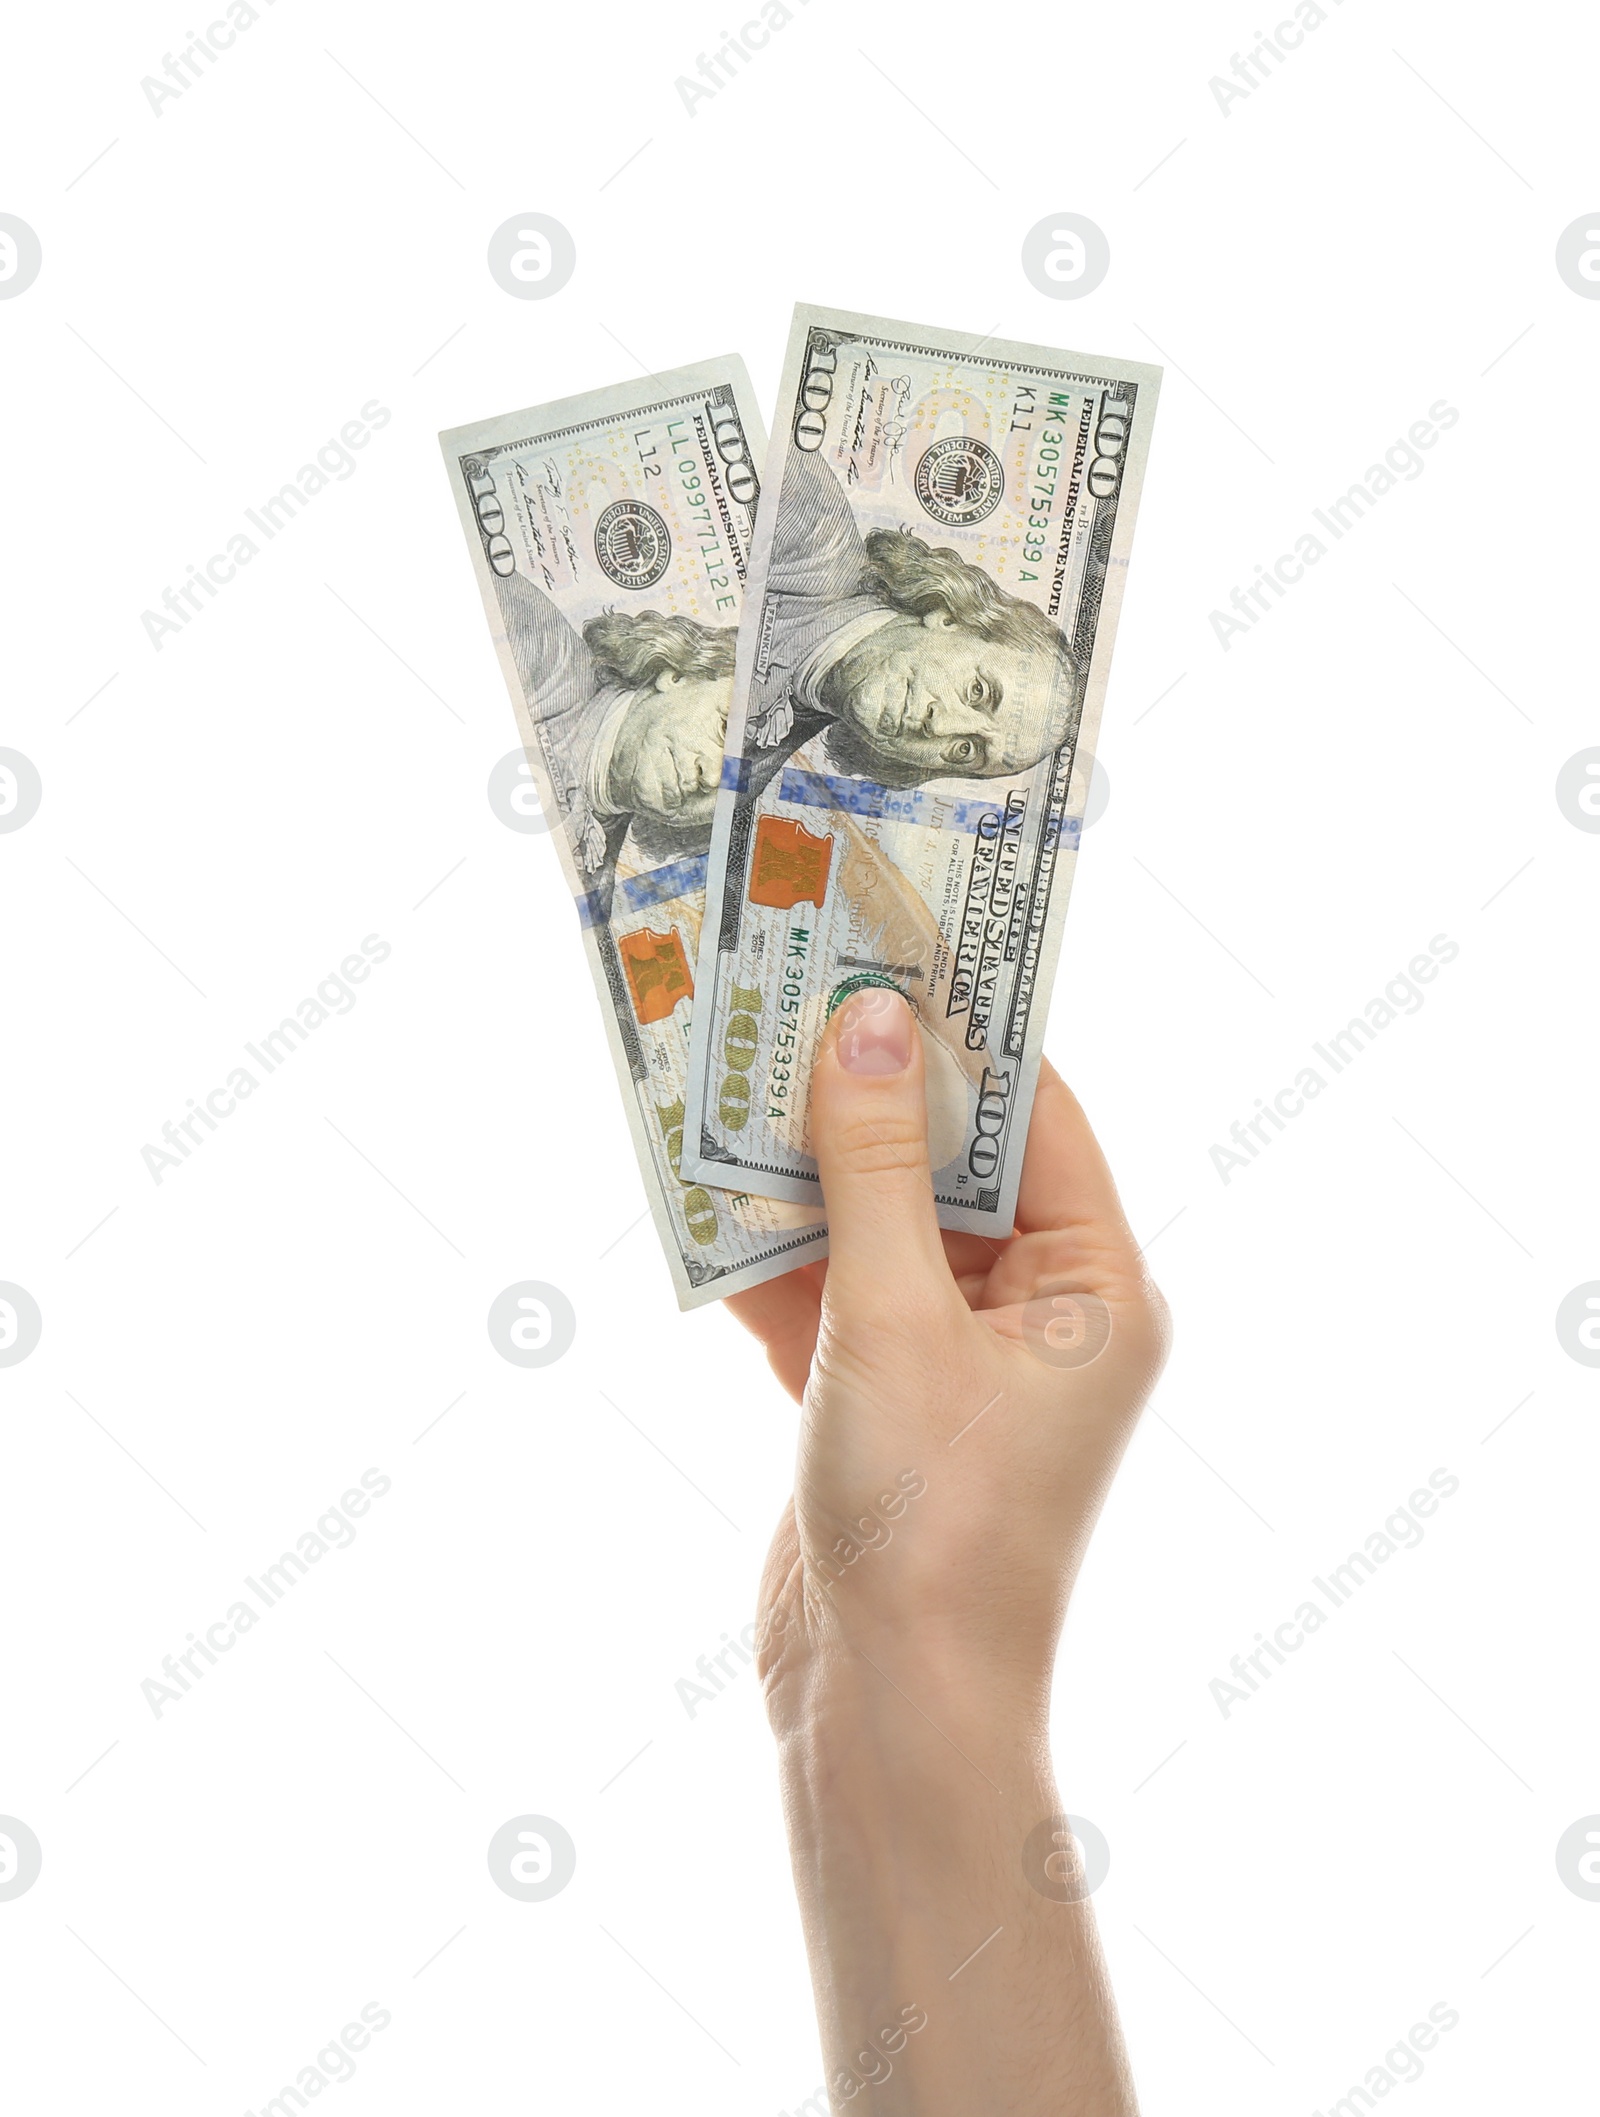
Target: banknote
{"x":610,"y":535}
{"x":922,"y":659}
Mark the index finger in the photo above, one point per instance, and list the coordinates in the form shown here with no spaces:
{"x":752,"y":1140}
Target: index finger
{"x":1066,"y":1184}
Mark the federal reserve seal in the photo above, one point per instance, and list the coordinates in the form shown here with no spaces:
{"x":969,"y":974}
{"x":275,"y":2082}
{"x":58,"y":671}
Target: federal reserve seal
{"x":632,"y":543}
{"x":959,"y":480}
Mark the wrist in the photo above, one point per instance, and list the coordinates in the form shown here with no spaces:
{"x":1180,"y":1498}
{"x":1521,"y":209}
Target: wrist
{"x":871,"y":1708}
{"x":885,"y":1742}
{"x":937,"y":1886}
{"x":945,"y":1908}
{"x":865,"y":1674}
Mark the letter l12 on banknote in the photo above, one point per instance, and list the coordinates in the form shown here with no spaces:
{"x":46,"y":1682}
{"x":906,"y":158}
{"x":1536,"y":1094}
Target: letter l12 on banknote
{"x":922,"y":662}
{"x":610,"y":535}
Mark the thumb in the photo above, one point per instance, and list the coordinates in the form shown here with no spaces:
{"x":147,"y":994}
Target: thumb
{"x":869,"y":1132}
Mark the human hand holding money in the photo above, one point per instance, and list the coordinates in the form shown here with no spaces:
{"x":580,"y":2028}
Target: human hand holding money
{"x":895,"y":769}
{"x":964,"y":1405}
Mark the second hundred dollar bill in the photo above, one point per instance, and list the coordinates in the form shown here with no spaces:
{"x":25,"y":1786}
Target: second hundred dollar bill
{"x":922,"y":660}
{"x":610,"y":535}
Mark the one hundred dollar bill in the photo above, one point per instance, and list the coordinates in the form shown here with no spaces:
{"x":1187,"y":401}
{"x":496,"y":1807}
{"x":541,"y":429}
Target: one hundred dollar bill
{"x":611,"y":537}
{"x":922,"y":660}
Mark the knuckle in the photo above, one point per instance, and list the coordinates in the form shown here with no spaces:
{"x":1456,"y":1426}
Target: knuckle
{"x":886,"y":1143}
{"x":1159,"y":1311}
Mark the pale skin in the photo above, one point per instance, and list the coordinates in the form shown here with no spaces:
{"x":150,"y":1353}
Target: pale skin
{"x":908,"y":1684}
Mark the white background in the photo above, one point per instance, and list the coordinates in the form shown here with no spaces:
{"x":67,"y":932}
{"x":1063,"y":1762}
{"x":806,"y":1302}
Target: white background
{"x":1290,"y":821}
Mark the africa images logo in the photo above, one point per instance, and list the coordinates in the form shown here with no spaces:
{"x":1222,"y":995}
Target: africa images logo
{"x":632,"y":543}
{"x":959,"y":481}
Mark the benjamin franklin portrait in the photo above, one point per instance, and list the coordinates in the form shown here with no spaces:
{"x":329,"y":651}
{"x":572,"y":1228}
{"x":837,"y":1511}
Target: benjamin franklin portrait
{"x":912,"y":663}
{"x":909,"y":662}
{"x":631,"y":714}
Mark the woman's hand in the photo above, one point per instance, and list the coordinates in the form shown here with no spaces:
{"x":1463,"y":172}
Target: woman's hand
{"x":1001,"y":1380}
{"x":964,"y":1406}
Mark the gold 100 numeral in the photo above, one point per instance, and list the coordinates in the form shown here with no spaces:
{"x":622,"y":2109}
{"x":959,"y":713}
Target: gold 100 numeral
{"x":739,"y":1051}
{"x":699,"y":1213}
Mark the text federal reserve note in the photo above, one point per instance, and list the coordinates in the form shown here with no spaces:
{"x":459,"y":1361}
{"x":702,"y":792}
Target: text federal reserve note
{"x":611,"y":537}
{"x":922,"y":659}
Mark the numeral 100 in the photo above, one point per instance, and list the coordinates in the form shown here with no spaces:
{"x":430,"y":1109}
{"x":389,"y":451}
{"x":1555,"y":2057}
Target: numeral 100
{"x":983,"y":1156}
{"x":1110,"y":439}
{"x":699,"y":1213}
{"x":728,"y":434}
{"x":738,"y":1051}
{"x":816,"y":394}
{"x":491,"y":522}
